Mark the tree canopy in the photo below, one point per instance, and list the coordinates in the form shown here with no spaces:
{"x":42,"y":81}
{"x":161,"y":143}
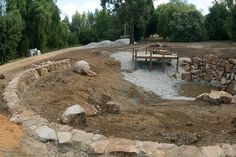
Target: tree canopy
{"x":27,"y":24}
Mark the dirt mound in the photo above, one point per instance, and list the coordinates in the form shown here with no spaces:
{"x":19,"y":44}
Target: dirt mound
{"x":10,"y":135}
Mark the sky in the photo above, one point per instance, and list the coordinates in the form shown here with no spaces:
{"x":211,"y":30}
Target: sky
{"x":69,"y":7}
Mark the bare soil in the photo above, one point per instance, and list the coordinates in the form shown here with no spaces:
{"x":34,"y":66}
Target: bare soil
{"x":144,"y":115}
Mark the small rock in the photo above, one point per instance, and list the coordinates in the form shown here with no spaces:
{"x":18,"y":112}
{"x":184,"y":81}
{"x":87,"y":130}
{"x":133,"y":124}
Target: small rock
{"x":64,"y":137}
{"x":232,"y":61}
{"x":215,"y":83}
{"x":74,"y":114}
{"x":196,"y":60}
{"x":187,"y":67}
{"x":90,"y":110}
{"x":224,"y":81}
{"x":232,"y":88}
{"x":112,"y":107}
{"x":2,"y":76}
{"x":187,"y":76}
{"x":43,"y":71}
{"x":44,"y":134}
{"x":212,"y":151}
{"x":228,"y":68}
{"x":211,"y":59}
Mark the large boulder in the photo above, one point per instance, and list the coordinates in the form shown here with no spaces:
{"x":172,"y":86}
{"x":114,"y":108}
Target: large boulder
{"x":225,"y":97}
{"x":74,"y":114}
{"x":216,"y":97}
{"x":82,"y":67}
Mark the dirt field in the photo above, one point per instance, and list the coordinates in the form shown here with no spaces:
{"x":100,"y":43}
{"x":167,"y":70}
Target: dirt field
{"x":144,"y":115}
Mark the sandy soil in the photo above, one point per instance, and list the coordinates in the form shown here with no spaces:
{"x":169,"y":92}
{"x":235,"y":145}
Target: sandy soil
{"x":143,"y":116}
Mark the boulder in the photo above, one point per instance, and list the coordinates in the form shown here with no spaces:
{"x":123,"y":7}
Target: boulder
{"x":187,"y":76}
{"x":82,"y":67}
{"x":214,"y":97}
{"x":43,"y":71}
{"x":232,"y":61}
{"x":228,"y":68}
{"x":232,"y":88}
{"x":74,"y":114}
{"x":225,"y":97}
{"x":2,"y":76}
{"x":44,"y":134}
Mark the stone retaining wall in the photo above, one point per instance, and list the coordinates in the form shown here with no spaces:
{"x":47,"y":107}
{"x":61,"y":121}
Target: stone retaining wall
{"x":77,"y":143}
{"x":218,"y":72}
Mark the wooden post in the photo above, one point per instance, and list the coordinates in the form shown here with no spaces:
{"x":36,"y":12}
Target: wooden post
{"x":163,"y":63}
{"x":146,"y":53}
{"x":133,"y":54}
{"x":150,"y":68}
{"x":136,"y":59}
{"x":177,"y":66}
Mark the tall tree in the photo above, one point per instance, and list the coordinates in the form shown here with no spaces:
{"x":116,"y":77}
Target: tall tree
{"x":215,"y":21}
{"x":135,"y":12}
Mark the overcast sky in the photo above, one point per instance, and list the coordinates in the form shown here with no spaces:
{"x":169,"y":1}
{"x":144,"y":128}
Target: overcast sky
{"x":69,"y":7}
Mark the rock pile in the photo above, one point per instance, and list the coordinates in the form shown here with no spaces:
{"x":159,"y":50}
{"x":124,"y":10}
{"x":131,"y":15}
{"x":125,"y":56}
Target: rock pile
{"x":216,"y":97}
{"x":217,"y":72}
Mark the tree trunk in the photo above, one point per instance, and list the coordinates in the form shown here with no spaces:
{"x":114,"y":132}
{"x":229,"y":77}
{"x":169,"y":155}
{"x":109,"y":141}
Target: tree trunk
{"x":131,"y":33}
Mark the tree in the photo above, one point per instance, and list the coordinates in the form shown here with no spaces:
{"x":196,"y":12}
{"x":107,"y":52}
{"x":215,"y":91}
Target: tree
{"x":134,"y":12}
{"x":11,"y":26}
{"x":179,"y":21}
{"x":215,"y":21}
{"x":187,"y":26}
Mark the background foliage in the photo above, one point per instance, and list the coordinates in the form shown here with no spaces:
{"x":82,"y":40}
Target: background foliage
{"x":27,"y":24}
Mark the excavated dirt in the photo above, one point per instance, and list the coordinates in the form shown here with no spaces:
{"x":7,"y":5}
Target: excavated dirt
{"x":143,"y":115}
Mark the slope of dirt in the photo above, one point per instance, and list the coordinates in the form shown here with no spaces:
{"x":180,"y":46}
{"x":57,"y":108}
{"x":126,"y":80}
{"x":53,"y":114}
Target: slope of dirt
{"x":144,"y":116}
{"x":10,"y":135}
